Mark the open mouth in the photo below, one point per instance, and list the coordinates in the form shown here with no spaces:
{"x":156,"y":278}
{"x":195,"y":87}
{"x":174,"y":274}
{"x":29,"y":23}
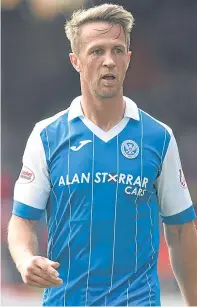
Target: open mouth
{"x":109,"y":77}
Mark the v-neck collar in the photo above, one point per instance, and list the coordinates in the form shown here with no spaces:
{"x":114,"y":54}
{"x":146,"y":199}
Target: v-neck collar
{"x":105,"y":136}
{"x":131,"y":111}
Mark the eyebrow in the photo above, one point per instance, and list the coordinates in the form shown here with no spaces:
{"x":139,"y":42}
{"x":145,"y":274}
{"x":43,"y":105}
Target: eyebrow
{"x":102,"y":46}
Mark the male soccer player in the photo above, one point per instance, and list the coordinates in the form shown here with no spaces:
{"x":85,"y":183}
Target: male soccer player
{"x":103,"y":171}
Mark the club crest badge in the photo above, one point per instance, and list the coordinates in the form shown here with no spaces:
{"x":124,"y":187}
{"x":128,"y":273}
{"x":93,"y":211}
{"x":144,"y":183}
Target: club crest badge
{"x":130,"y":149}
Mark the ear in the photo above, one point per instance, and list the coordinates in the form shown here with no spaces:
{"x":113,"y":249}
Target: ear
{"x":129,"y":57}
{"x":75,"y":61}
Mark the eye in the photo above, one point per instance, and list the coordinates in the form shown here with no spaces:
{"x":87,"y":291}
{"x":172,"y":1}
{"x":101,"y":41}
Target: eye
{"x":98,"y":51}
{"x":118,"y":50}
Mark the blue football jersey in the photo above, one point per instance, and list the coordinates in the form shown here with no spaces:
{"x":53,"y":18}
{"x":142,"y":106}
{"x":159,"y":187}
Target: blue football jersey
{"x":103,"y":193}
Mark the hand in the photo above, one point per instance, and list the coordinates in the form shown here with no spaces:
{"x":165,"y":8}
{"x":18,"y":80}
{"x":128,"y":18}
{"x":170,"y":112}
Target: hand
{"x":40,"y":272}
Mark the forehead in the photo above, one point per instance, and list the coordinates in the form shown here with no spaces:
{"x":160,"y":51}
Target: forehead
{"x":99,"y":32}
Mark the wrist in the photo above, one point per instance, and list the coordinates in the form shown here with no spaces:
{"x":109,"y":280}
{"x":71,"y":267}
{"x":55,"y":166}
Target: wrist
{"x":23,"y":260}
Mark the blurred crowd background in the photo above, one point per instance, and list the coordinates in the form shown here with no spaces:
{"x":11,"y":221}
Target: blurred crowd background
{"x":39,"y":81}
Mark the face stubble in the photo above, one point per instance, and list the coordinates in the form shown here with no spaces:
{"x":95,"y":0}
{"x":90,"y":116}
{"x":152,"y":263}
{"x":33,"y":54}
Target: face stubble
{"x":103,"y":92}
{"x":98,"y":86}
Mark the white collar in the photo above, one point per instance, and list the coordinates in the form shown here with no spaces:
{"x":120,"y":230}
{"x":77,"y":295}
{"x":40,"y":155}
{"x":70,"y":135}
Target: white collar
{"x":75,"y":109}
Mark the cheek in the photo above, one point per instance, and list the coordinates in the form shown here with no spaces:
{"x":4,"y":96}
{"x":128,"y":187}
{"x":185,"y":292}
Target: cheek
{"x":89,"y":73}
{"x":91,"y":69}
{"x":123,"y":67}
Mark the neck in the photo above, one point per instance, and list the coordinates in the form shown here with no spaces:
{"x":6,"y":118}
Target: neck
{"x":105,"y":113}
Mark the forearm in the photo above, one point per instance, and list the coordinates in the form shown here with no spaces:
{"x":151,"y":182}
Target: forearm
{"x":22,"y":240}
{"x":183,"y":257}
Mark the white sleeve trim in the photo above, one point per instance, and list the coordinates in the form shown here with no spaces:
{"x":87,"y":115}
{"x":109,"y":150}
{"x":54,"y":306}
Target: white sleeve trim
{"x":172,"y":191}
{"x":33,"y":185}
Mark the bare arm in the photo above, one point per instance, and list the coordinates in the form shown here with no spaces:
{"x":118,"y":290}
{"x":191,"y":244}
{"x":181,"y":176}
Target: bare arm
{"x":182,"y":245}
{"x":35,"y":270}
{"x":22,"y":240}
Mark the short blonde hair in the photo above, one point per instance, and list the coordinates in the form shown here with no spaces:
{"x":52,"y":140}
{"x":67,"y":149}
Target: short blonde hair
{"x":112,"y":13}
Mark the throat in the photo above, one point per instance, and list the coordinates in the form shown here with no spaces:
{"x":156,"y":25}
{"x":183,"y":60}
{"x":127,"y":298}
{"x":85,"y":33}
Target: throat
{"x":107,"y":124}
{"x":104,"y":114}
{"x":105,"y":119}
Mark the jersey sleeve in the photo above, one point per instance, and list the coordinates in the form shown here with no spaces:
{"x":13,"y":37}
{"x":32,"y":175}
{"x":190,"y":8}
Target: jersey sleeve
{"x":32,"y":188}
{"x":173,"y":195}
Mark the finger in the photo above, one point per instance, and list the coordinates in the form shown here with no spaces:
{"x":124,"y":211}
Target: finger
{"x":43,"y":282}
{"x":51,"y":271}
{"x":49,"y":275}
{"x":46,"y":265}
{"x":42,"y":261}
{"x":45,"y":269}
{"x":55,"y":264}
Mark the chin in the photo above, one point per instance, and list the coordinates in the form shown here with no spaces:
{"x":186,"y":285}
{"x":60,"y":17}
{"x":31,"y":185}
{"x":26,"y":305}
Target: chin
{"x":106,"y":94}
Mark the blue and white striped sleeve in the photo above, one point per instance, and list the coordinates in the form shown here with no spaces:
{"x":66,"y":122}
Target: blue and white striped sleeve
{"x":174,"y":198}
{"x":32,"y":188}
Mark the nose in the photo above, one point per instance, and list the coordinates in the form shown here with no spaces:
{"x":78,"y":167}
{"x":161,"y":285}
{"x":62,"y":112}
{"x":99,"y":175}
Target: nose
{"x":109,"y":60}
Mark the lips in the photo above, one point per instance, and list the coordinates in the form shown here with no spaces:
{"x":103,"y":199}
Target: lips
{"x":109,"y":77}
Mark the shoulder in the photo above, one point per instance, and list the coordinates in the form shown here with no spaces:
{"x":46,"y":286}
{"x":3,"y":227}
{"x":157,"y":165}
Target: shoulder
{"x":53,"y":120}
{"x":156,"y":134}
{"x":35,"y":140}
{"x":154,"y":126}
{"x":41,"y":127}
